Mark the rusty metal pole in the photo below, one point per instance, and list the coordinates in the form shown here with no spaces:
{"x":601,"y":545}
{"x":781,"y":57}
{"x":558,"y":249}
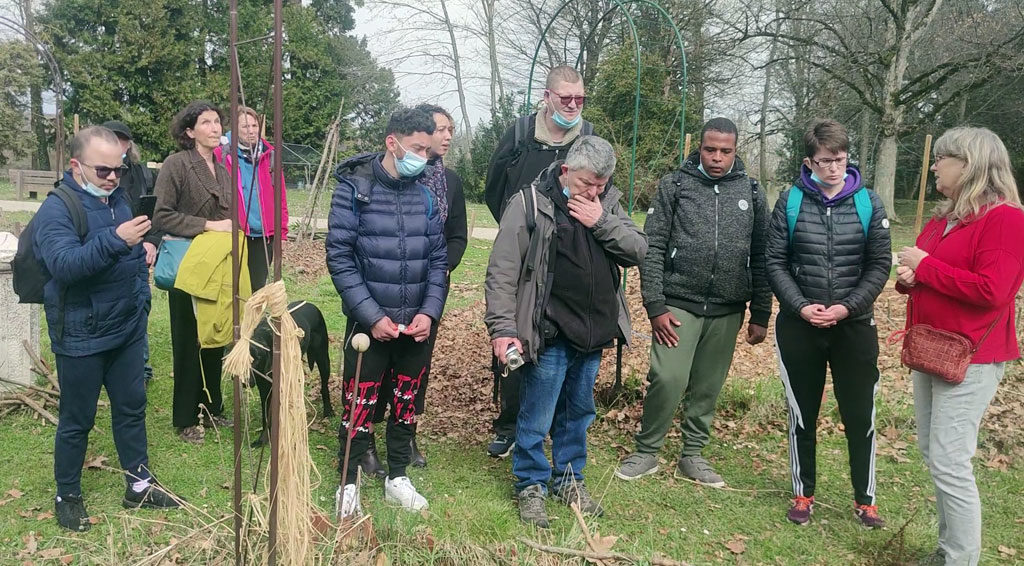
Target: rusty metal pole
{"x":275,"y":396}
{"x":236,"y":264}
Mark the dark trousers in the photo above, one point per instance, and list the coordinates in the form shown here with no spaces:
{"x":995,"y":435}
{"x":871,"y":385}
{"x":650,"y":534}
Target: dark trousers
{"x":80,"y":378}
{"x":260,"y":252}
{"x":196,"y":372}
{"x":507,"y":393}
{"x":850,"y":349}
{"x":407,"y":360}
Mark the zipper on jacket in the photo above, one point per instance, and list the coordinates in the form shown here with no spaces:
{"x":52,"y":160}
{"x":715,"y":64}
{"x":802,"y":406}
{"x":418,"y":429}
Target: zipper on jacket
{"x":828,"y":232}
{"x":402,"y":249}
{"x":714,"y":260}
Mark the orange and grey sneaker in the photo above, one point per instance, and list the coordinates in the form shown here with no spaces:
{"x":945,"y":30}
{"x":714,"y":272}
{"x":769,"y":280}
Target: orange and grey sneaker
{"x":868,"y":515}
{"x":800,"y":512}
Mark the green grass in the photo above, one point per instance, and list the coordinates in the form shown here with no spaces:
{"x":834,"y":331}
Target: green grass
{"x":11,"y":220}
{"x":473,"y":518}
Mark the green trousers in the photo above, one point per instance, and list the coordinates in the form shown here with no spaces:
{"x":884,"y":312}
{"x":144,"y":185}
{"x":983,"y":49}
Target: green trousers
{"x":696,"y":367}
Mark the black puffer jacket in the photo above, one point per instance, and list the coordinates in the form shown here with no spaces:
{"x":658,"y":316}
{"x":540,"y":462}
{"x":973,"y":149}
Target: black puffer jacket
{"x":830,"y":261}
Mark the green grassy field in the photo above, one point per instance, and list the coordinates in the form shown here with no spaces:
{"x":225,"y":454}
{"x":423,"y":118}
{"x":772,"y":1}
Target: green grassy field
{"x":473,"y":518}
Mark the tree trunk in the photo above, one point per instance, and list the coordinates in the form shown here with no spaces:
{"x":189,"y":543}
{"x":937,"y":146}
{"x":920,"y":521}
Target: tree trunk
{"x":865,"y":142}
{"x":37,"y":120}
{"x":459,"y":83}
{"x":885,"y":173}
{"x":497,"y":89}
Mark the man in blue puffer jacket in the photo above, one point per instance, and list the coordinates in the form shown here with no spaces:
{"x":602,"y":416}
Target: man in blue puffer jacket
{"x":96,"y":307}
{"x":387,"y":256}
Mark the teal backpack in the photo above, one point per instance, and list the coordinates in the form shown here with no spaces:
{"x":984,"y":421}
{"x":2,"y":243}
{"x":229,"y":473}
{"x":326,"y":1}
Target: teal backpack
{"x":861,"y":200}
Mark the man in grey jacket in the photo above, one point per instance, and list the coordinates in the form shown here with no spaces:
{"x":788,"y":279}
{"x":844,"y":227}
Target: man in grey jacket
{"x":707,"y":230}
{"x":554,"y":295}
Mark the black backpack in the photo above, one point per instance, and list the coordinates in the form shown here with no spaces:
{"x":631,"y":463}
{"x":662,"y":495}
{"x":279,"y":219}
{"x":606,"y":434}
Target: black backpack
{"x":524,"y":145}
{"x":29,"y":271}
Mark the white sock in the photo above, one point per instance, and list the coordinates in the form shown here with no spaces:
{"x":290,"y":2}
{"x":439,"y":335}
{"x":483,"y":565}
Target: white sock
{"x":141,"y":485}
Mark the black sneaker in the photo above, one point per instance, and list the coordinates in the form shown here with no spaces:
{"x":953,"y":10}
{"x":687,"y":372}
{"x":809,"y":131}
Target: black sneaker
{"x":153,"y":497}
{"x":501,"y":446}
{"x":71,"y":513}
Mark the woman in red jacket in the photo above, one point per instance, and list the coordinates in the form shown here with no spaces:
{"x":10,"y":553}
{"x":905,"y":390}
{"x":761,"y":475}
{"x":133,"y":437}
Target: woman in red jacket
{"x":963,"y":276}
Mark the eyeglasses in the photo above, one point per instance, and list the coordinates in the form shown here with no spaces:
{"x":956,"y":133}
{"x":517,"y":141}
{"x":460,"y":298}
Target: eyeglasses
{"x":103,"y":172}
{"x":580,"y":100}
{"x":940,"y":157}
{"x":826,"y":163}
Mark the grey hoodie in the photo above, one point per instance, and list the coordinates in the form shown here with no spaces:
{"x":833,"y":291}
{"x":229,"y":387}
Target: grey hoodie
{"x":706,"y":244}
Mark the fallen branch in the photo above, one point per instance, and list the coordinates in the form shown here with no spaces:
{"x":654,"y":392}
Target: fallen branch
{"x":38,"y":408}
{"x":586,"y":531}
{"x":39,"y":366}
{"x":35,"y":388}
{"x":654,"y":561}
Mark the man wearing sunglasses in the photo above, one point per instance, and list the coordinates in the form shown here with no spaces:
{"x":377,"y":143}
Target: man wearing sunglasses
{"x":96,"y":307}
{"x":526,"y":149}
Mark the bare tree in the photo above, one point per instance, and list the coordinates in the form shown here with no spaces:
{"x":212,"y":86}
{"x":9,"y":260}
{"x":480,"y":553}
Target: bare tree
{"x":904,"y":60}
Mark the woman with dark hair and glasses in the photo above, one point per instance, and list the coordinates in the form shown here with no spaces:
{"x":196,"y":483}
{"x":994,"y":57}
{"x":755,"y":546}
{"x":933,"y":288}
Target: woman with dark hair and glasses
{"x":193,"y":196}
{"x":962,"y":276}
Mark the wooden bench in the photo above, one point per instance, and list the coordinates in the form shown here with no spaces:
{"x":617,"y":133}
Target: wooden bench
{"x":32,"y":183}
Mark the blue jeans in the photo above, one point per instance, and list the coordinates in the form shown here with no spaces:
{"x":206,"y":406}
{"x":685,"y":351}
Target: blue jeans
{"x":556,"y":395}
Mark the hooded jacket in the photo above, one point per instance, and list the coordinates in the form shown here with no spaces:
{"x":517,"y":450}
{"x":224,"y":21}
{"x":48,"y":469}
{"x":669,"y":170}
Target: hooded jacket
{"x":517,"y":285}
{"x":105,"y":281}
{"x":385,"y":245}
{"x":830,"y":260}
{"x":706,"y":245}
{"x":265,"y":182}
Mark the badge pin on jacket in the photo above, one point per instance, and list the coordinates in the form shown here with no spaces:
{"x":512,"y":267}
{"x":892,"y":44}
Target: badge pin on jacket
{"x":743,"y":205}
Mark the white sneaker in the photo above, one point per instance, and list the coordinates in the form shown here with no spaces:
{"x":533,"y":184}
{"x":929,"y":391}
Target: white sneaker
{"x":401,"y":491}
{"x":346,"y":503}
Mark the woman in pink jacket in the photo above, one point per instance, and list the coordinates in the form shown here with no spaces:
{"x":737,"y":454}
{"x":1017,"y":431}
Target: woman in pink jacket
{"x":255,"y":193}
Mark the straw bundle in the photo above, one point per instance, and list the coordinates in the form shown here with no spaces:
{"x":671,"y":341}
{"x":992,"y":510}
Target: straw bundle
{"x":294,"y":500}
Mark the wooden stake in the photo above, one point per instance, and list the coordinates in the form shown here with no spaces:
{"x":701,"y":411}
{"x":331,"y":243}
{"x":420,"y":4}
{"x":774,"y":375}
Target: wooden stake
{"x":686,"y":147}
{"x":472,"y":223}
{"x":924,"y":183}
{"x":76,"y":124}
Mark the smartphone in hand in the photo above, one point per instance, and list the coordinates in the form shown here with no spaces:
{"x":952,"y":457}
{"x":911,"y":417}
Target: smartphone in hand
{"x":147,"y":204}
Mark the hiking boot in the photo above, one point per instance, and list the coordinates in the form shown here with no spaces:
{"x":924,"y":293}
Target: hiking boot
{"x":71,"y":513}
{"x":418,"y":459}
{"x":698,"y":469}
{"x":501,"y":446}
{"x":800,"y":512}
{"x":576,"y":492}
{"x":868,"y":515}
{"x":371,"y":462}
{"x":346,"y":503}
{"x":531,"y":507}
{"x":401,"y":491}
{"x":153,"y":497}
{"x":192,"y":434}
{"x":217,"y":421}
{"x":637,"y":465}
{"x":936,"y":557}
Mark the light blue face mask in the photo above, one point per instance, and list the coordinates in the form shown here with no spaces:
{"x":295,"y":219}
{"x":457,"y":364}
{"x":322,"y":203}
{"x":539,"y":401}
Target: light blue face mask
{"x":410,"y":165}
{"x":817,"y":179}
{"x":562,"y":122}
{"x":565,"y":191}
{"x":93,"y":189}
